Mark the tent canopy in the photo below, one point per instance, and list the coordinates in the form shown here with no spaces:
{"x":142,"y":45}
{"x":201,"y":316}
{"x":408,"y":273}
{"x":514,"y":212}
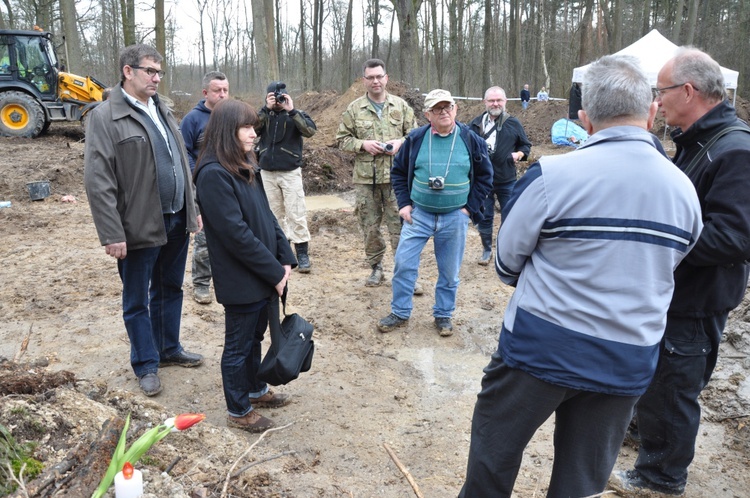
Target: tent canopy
{"x":653,"y":50}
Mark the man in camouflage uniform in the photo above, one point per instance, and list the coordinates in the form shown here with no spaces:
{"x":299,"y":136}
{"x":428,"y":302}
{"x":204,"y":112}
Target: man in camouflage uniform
{"x":374,"y":127}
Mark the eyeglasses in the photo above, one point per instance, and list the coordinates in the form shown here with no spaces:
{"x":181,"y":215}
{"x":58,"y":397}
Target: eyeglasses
{"x":442,"y":110}
{"x":150,"y":71}
{"x":659,"y":92}
{"x":375,"y":77}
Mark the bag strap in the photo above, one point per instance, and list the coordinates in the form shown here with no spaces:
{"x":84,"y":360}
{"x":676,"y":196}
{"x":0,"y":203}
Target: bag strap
{"x":700,"y":155}
{"x":283,"y":298}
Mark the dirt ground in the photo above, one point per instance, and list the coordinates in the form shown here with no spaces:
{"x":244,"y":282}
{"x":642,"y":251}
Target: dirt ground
{"x":412,"y":390}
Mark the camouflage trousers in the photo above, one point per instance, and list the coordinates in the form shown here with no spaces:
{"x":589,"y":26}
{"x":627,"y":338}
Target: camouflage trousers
{"x":373,"y":205}
{"x":201,"y":265}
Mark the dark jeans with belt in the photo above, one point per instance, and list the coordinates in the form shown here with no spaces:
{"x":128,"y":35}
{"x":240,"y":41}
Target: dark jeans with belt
{"x":669,"y":414}
{"x":241,"y":358}
{"x":152,"y":296}
{"x":589,"y":429}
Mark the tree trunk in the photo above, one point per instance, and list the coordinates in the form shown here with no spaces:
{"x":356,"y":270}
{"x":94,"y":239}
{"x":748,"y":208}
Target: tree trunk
{"x":692,"y":20}
{"x":127,"y":10}
{"x":678,"y":21}
{"x":346,"y":66}
{"x":586,"y":51}
{"x":489,"y":43}
{"x":303,"y":43}
{"x":161,"y":46}
{"x":406,"y":10}
{"x":375,"y":5}
{"x":73,"y":57}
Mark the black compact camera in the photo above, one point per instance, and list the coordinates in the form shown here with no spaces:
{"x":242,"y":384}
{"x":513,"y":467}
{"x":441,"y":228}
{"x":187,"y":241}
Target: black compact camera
{"x":278,"y":94}
{"x":387,"y":147}
{"x":436,"y":183}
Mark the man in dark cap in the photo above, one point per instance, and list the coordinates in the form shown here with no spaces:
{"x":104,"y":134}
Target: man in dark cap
{"x":280,"y":130}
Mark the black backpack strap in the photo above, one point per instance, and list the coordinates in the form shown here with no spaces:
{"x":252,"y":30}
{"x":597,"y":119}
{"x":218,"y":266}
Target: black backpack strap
{"x":700,"y":155}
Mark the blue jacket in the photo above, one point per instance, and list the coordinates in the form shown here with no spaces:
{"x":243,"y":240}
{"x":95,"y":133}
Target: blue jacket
{"x":480,"y":174}
{"x":591,"y":240}
{"x":192,"y":127}
{"x":713,"y":278}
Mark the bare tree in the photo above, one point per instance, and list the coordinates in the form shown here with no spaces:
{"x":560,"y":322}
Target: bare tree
{"x":346,"y":63}
{"x":73,"y":57}
{"x":406,"y":10}
{"x":127,"y":11}
{"x":161,"y":44}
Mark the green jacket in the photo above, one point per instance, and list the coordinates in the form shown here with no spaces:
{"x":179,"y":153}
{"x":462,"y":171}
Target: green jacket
{"x":360,"y":122}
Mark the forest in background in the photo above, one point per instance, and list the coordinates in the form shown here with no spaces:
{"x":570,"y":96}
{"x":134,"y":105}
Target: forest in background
{"x":461,"y":45}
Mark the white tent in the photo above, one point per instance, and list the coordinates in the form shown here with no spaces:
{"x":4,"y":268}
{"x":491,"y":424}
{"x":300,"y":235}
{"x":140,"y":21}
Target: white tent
{"x":653,"y":50}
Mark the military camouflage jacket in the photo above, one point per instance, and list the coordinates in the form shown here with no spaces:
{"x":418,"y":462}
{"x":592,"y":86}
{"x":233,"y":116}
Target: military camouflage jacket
{"x":360,"y":122}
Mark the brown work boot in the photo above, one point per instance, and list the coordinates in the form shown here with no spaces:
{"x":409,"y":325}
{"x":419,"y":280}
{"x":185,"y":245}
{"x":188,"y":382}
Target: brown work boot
{"x":252,"y":422}
{"x":271,"y":400}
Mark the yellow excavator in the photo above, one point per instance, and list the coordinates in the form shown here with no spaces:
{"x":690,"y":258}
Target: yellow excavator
{"x":34,"y":91}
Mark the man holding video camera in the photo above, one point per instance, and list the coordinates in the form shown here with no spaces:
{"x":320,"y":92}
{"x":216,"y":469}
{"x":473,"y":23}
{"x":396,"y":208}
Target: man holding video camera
{"x":440,"y":176}
{"x":280,"y":130}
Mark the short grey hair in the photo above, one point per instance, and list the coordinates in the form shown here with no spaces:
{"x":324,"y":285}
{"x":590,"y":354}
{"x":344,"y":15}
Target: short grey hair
{"x":696,"y":67}
{"x":615,"y":88}
{"x":494,"y":89}
{"x":212,"y":75}
{"x":133,"y":54}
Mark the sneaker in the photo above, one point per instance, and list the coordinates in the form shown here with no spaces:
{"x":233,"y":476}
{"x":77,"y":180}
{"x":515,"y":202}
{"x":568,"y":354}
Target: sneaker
{"x":271,"y":400}
{"x":252,"y":422}
{"x":376,"y":277}
{"x":418,"y":290}
{"x":182,"y":359}
{"x":202,"y":294}
{"x":391,"y":322}
{"x":444,"y":326}
{"x":632,"y":483}
{"x":150,"y":384}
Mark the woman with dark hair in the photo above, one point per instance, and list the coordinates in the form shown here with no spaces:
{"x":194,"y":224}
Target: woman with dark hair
{"x":250,"y":256}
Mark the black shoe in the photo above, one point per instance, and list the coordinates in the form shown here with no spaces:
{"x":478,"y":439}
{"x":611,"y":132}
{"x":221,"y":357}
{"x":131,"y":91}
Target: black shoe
{"x":391,"y":322}
{"x":444,"y":326}
{"x":182,"y":359}
{"x":376,"y":277}
{"x":150,"y":384}
{"x":632,"y":483}
{"x":303,"y":259}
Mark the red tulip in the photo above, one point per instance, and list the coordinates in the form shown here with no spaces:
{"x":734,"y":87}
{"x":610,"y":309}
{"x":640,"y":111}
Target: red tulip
{"x":127,"y":470}
{"x":187,"y":420}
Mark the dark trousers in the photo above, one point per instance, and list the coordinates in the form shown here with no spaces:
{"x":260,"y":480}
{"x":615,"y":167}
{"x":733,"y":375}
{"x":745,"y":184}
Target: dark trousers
{"x":241,"y":359}
{"x":668,"y":414}
{"x":589,"y":429}
{"x":152,"y":297}
{"x":503,"y":192}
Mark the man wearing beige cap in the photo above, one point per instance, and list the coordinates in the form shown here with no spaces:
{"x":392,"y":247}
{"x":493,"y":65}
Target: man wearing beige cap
{"x":441,"y":176}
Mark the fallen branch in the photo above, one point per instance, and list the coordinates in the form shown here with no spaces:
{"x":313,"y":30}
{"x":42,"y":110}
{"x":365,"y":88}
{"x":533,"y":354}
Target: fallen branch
{"x":171,"y":465}
{"x":403,"y":470}
{"x":732,"y":417}
{"x":243,"y":469}
{"x":236,"y":462}
{"x":24,"y":345}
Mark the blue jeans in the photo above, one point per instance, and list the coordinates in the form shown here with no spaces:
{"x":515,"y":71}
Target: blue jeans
{"x":449,"y":238}
{"x":152,"y":297}
{"x":241,"y":359}
{"x":512,"y":405}
{"x":503,"y":192}
{"x":525,"y":104}
{"x":668,"y":414}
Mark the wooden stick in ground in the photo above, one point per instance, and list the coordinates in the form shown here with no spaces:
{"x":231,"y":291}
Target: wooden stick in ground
{"x":403,"y":470}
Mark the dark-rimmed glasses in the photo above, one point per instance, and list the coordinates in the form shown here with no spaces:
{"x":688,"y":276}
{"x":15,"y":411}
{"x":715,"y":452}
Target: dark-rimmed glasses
{"x":150,"y":71}
{"x":375,"y":77}
{"x":658,"y":92}
{"x":440,"y":110}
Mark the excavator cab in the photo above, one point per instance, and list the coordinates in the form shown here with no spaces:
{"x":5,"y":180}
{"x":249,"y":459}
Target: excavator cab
{"x":33,"y":90}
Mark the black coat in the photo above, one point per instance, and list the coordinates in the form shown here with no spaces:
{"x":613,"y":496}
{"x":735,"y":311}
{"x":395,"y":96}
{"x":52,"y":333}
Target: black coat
{"x":512,"y":138}
{"x":280,"y":138}
{"x":246,"y":246}
{"x":713,"y":277}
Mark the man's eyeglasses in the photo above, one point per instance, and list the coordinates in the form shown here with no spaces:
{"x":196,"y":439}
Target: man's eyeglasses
{"x":441,"y":110}
{"x":150,"y":71}
{"x":375,"y":77}
{"x":659,"y":92}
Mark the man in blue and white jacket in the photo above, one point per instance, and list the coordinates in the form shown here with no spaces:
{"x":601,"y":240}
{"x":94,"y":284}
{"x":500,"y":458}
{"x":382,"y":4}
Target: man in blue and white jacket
{"x":590,"y":240}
